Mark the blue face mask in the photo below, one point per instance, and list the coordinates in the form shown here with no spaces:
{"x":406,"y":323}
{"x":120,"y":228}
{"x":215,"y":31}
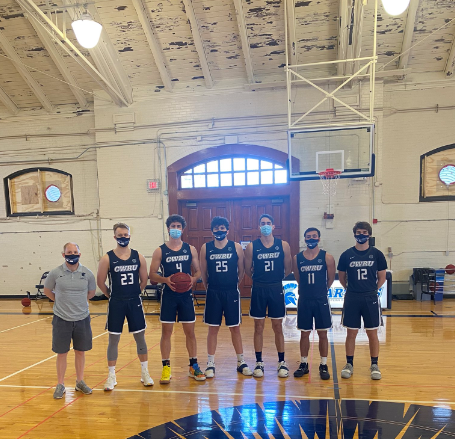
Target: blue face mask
{"x":362,"y":239}
{"x":123,"y":242}
{"x":72,"y":259}
{"x":175,"y":233}
{"x":311,"y":243}
{"x":266,"y":230}
{"x":220,"y":235}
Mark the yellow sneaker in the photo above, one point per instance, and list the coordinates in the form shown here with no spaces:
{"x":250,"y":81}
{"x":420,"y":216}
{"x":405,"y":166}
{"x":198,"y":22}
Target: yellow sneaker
{"x":166,"y":375}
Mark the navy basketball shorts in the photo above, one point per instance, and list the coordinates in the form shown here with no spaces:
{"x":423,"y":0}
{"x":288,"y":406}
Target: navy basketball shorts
{"x":219,"y":302}
{"x":119,"y":309}
{"x":177,"y":307}
{"x":317,"y":309}
{"x":362,"y":305}
{"x":267,"y":300}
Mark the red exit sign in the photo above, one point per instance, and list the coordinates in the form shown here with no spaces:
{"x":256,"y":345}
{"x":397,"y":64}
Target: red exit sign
{"x":153,"y":185}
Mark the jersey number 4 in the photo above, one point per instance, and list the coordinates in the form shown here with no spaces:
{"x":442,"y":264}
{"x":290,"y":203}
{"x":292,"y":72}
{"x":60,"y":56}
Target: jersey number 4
{"x":221,"y":266}
{"x":361,"y":274}
{"x":127,"y":279}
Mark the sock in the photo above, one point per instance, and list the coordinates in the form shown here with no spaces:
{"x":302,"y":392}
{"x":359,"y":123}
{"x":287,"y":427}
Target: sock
{"x":259,"y":357}
{"x":324,"y":360}
{"x":211,"y":358}
{"x":193,"y":361}
{"x":144,"y":365}
{"x":374,"y":360}
{"x":280,"y":356}
{"x":240,"y":358}
{"x":304,"y":360}
{"x":350,"y":359}
{"x":111,"y":369}
{"x":166,"y":362}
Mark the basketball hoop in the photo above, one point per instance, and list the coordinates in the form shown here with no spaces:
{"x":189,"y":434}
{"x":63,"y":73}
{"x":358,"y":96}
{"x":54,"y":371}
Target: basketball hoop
{"x":329,"y":179}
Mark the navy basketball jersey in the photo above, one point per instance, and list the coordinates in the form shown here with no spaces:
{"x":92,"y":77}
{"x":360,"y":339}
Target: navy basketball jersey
{"x":175,"y":261}
{"x":222,"y":265}
{"x":124,"y":275}
{"x":313,"y":275}
{"x":268,"y":263}
{"x":362,"y":268}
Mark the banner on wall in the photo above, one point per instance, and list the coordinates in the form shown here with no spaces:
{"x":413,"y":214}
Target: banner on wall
{"x":335,"y":294}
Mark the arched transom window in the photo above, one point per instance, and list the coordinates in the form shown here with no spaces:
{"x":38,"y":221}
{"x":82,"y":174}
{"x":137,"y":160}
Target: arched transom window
{"x":233,"y":171}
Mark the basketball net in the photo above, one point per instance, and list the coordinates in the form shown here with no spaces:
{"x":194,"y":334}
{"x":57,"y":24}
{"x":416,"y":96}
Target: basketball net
{"x":329,"y":179}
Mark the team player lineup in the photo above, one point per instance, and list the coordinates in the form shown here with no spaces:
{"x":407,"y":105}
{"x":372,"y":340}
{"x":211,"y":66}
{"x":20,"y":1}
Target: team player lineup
{"x":221,"y":266}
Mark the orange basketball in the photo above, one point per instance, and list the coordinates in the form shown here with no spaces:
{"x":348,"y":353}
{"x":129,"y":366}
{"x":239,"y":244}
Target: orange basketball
{"x":26,"y":302}
{"x":450,"y":269}
{"x":182,"y":282}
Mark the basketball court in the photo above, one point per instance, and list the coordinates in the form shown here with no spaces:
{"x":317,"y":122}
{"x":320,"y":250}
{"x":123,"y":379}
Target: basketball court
{"x":318,"y":113}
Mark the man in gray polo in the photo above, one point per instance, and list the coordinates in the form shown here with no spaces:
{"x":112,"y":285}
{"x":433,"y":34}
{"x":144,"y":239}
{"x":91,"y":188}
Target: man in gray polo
{"x":70,"y":286}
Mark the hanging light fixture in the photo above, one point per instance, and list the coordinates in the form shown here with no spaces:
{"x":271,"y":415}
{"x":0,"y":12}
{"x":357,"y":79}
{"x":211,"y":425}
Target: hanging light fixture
{"x":395,"y":7}
{"x":87,"y":31}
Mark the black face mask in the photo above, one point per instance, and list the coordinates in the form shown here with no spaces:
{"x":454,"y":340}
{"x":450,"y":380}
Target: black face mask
{"x":220,"y":235}
{"x":123,"y":242}
{"x":72,"y":259}
{"x":361,"y":239}
{"x":311,"y":243}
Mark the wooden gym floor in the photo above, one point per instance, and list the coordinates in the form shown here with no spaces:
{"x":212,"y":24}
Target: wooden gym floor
{"x":414,"y":399}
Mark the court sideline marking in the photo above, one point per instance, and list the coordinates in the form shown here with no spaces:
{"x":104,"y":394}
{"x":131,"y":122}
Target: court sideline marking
{"x":25,"y":324}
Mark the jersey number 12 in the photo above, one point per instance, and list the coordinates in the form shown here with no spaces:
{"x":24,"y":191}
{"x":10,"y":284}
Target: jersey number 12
{"x":361,"y":274}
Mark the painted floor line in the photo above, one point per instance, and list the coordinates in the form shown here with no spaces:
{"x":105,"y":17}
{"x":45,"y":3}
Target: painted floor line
{"x":25,"y":324}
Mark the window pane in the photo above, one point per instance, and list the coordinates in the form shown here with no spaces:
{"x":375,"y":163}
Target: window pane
{"x":190,"y":171}
{"x":199,"y":169}
{"x":278,"y":167}
{"x":213,"y":180}
{"x":281,"y":176}
{"x":226,"y":166}
{"x":253,"y":178}
{"x":239,"y":179}
{"x":212,"y":166}
{"x":266,"y":165}
{"x":252,"y":164}
{"x":239,"y":165}
{"x":186,"y":181}
{"x":226,"y":179}
{"x":199,"y":181}
{"x":267,"y":177}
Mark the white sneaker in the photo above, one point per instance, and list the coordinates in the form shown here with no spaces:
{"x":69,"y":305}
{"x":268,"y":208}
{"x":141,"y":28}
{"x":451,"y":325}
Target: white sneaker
{"x":347,"y":371}
{"x":111,"y":382}
{"x":210,"y":370}
{"x":146,"y":379}
{"x":283,"y":370}
{"x":243,"y":368}
{"x":258,"y":371}
{"x":375,"y":372}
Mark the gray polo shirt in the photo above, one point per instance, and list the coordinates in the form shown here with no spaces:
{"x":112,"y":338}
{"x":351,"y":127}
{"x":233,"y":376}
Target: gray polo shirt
{"x":71,"y":289}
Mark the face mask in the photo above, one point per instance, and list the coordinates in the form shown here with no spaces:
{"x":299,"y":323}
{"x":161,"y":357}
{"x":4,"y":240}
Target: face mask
{"x":361,"y":239}
{"x":123,"y":242}
{"x":220,"y":235}
{"x":311,"y":243}
{"x":175,"y":233}
{"x":266,"y":230}
{"x":72,"y":259}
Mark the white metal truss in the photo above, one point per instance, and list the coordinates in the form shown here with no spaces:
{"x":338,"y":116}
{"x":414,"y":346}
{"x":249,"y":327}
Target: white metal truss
{"x":144,"y":18}
{"x":198,"y":42}
{"x":8,"y":102}
{"x":244,"y":39}
{"x":363,"y":66}
{"x":23,"y":71}
{"x":408,"y":34}
{"x":61,"y":39}
{"x":450,"y":66}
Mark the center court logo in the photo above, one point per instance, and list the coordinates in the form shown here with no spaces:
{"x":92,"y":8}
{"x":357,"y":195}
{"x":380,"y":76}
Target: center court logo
{"x":323,"y":419}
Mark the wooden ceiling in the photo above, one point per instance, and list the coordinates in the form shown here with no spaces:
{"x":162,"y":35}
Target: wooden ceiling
{"x":168,"y":45}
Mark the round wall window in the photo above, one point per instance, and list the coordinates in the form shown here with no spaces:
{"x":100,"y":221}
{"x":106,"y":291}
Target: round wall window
{"x":53,"y":193}
{"x":447,"y":174}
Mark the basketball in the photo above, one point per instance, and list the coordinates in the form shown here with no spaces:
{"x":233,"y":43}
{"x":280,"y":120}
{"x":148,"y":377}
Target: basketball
{"x":450,"y":269}
{"x":182,"y":282}
{"x":26,"y":302}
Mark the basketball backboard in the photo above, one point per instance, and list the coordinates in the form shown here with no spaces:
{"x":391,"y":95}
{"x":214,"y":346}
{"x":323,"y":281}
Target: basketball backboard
{"x":348,"y":149}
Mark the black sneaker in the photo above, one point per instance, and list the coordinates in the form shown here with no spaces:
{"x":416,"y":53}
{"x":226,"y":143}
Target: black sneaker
{"x":324,"y":372}
{"x":302,"y":370}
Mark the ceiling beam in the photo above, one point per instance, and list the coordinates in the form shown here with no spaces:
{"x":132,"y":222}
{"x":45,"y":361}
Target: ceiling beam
{"x":450,"y":66}
{"x":343,"y":22}
{"x":104,"y":54}
{"x":146,"y":21}
{"x":355,"y":37}
{"x":8,"y":102}
{"x":59,"y":61}
{"x":244,"y":39}
{"x":23,"y":71}
{"x":408,"y":34}
{"x":198,"y":42}
{"x":60,"y":38}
